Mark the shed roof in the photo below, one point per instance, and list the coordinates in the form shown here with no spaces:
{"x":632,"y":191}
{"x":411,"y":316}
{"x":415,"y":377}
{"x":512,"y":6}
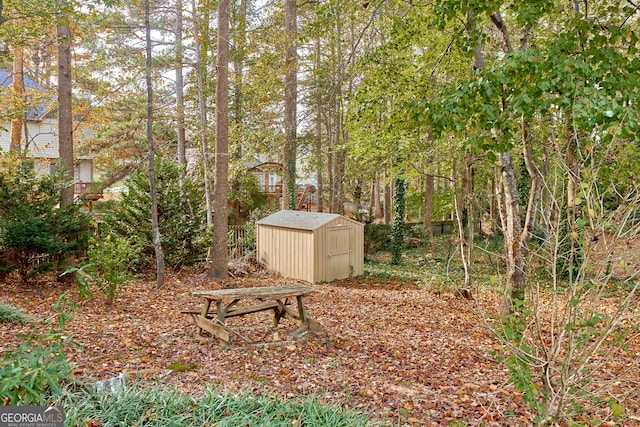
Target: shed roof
{"x":300,"y":220}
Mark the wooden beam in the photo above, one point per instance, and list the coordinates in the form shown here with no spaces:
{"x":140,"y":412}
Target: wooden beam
{"x":216,"y":330}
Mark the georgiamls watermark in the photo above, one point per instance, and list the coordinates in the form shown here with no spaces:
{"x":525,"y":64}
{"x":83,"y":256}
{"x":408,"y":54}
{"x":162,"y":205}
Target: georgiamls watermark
{"x":31,"y":416}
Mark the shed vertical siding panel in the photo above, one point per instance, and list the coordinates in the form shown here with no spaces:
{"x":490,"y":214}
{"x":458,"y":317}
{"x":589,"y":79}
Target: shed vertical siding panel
{"x":320,"y":255}
{"x":284,"y":251}
{"x":358,"y":249}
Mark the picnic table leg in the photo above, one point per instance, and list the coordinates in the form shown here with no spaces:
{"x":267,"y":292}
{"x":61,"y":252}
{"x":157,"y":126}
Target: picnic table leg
{"x":309,"y":324}
{"x":220,"y":309}
{"x":279,"y":312}
{"x":205,"y":311}
{"x":301,"y":311}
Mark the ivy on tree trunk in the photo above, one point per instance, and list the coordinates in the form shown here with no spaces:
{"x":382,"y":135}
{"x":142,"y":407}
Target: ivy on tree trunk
{"x":398,"y":228}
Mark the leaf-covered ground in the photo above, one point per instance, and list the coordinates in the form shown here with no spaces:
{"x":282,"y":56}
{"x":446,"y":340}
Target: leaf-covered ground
{"x":408,"y":356}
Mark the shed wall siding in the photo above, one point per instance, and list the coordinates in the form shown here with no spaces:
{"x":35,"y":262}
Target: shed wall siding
{"x":304,"y":254}
{"x":287,"y":251}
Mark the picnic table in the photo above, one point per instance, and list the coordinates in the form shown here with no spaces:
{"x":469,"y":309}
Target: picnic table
{"x":221,"y":304}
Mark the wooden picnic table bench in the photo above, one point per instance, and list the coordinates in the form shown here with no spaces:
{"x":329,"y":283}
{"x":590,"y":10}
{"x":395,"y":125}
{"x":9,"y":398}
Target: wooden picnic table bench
{"x":276,"y":298}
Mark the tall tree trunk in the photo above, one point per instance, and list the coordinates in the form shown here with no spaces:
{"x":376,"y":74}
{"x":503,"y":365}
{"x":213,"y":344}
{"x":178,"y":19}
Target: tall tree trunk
{"x":428,"y":211}
{"x":330,"y":176}
{"x":290,"y":102}
{"x":239,"y":55}
{"x":182,"y":158}
{"x":65,"y":115}
{"x":318,"y":147}
{"x":508,"y":205}
{"x":377,"y":207}
{"x":536,"y":182}
{"x":339,"y":159}
{"x":18,"y":91}
{"x":387,"y":203}
{"x":572,"y":195}
{"x":512,"y":229}
{"x":219,"y":263}
{"x":339,"y":163}
{"x":155,"y":228}
{"x":238,"y":22}
{"x":2,"y":18}
{"x":202,"y":106}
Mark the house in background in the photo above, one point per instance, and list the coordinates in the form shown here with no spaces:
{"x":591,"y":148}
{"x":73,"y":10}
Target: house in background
{"x":40,"y":133}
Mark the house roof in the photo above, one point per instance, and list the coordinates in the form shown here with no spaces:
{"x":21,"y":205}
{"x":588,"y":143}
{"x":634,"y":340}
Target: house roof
{"x":300,"y":220}
{"x":34,"y":113}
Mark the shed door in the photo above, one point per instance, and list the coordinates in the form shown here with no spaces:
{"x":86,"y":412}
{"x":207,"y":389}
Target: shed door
{"x":338,"y":252}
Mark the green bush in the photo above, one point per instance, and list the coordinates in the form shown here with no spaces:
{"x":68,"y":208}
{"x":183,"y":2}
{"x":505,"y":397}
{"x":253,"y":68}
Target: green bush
{"x":11,"y":314}
{"x":31,"y":221}
{"x":34,"y":373}
{"x":37,"y":371}
{"x":376,"y":238}
{"x":158,"y":407}
{"x":115,"y":259}
{"x":181,"y":215}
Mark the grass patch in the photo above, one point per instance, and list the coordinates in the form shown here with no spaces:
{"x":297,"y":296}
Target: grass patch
{"x":158,"y":407}
{"x":182,"y":367}
{"x":11,"y":314}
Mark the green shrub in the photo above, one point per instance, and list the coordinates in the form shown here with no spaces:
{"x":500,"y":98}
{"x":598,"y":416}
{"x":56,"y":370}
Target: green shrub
{"x":376,"y":238}
{"x":37,"y":371}
{"x":31,"y":221}
{"x":181,"y":215}
{"x":11,"y":314}
{"x":115,"y":259}
{"x":34,"y":373}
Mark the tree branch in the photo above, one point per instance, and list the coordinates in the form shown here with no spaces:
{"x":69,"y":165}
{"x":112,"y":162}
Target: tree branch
{"x":2,"y":18}
{"x":500,"y":25}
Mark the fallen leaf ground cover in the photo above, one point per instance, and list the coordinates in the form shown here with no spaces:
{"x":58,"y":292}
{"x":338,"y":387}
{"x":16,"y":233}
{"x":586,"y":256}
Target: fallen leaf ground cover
{"x":404,"y":354}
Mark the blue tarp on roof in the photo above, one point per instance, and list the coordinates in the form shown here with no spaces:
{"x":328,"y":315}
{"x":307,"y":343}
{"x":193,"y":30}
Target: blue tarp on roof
{"x":35,"y":113}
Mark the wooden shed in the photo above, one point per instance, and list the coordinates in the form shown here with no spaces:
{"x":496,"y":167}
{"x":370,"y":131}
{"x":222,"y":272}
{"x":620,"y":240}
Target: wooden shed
{"x":311,"y":246}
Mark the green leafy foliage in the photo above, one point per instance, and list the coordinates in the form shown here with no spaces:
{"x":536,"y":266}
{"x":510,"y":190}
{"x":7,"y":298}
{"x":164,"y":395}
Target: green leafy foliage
{"x":34,"y":373}
{"x":115,"y":259}
{"x":30,"y":220}
{"x":37,"y":372}
{"x":181,"y":216}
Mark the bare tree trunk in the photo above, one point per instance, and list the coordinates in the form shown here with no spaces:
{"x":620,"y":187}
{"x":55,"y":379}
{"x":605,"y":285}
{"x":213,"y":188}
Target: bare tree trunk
{"x":290,"y":102}
{"x":319,"y":163}
{"x":493,"y":207}
{"x":238,"y":29}
{"x":219,"y":263}
{"x":377,"y":208}
{"x":387,"y":203}
{"x":338,"y":181}
{"x":202,"y":104}
{"x":330,"y":176}
{"x":65,"y":114}
{"x":428,"y":211}
{"x":2,"y":18}
{"x":512,"y":229}
{"x":18,"y":91}
{"x":155,"y":229}
{"x":180,"y":131}
{"x":536,"y":178}
{"x":572,"y":195}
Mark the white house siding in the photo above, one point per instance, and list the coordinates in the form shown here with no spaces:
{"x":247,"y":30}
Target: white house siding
{"x":42,"y":137}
